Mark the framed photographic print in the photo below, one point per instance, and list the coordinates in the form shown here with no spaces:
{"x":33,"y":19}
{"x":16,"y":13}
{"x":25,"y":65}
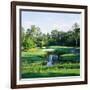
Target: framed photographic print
{"x":48,"y":44}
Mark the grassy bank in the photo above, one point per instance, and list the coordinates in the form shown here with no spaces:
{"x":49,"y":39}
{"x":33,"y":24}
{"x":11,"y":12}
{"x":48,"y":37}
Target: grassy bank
{"x":33,"y":63}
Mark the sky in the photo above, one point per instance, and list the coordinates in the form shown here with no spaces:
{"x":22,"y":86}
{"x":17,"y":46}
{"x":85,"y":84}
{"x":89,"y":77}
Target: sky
{"x":48,"y":21}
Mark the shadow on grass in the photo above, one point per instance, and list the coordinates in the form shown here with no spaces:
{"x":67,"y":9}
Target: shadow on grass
{"x":43,"y":75}
{"x":32,"y":58}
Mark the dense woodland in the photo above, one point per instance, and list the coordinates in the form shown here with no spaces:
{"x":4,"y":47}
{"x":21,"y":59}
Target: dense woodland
{"x":33,"y":37}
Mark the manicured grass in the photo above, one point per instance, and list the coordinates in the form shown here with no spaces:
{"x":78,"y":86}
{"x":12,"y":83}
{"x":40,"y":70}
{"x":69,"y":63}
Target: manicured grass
{"x":60,"y":73}
{"x":59,"y":70}
{"x":69,"y":55}
{"x":33,"y":63}
{"x":58,"y":47}
{"x":70,"y":58}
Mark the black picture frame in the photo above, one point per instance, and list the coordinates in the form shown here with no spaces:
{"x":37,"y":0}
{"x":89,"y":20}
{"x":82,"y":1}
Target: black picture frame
{"x":14,"y":4}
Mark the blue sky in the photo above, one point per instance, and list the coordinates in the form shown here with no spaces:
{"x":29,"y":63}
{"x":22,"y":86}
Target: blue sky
{"x":48,"y":21}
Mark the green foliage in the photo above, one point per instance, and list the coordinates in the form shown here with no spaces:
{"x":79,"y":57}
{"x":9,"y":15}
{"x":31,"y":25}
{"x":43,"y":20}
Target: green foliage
{"x":33,"y":55}
{"x":70,"y":58}
{"x":34,"y":59}
{"x":28,"y":43}
{"x":62,"y":51}
{"x":37,"y":70}
{"x":33,"y":37}
{"x":76,"y":33}
{"x":34,"y":63}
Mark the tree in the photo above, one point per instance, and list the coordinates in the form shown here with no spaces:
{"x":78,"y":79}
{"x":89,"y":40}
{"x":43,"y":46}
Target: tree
{"x":33,"y":37}
{"x":22,"y":37}
{"x":76,"y":33}
{"x":62,"y":38}
{"x":30,"y":37}
{"x":54,"y":37}
{"x":28,"y":43}
{"x":44,"y":40}
{"x":70,"y":41}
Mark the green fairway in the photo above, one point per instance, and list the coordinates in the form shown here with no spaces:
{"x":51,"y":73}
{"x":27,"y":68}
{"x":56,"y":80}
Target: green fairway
{"x":34,"y":63}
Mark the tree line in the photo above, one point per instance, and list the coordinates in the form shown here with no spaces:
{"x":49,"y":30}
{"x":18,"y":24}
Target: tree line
{"x":33,"y":37}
